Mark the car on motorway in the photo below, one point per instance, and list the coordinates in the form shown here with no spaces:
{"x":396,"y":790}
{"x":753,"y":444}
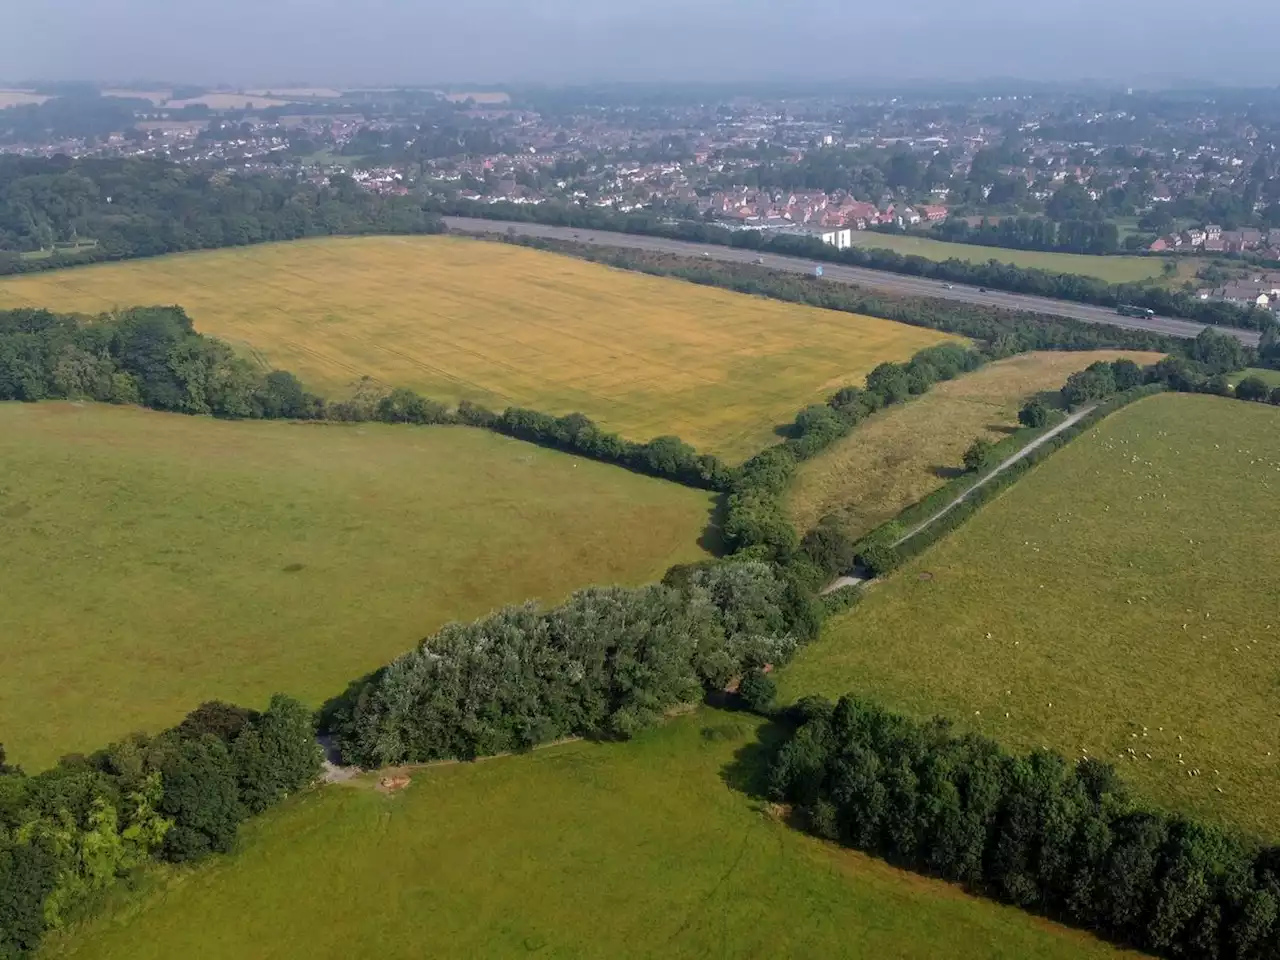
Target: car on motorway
{"x":758,"y":260}
{"x":949,"y":286}
{"x":982,"y":289}
{"x":706,"y":255}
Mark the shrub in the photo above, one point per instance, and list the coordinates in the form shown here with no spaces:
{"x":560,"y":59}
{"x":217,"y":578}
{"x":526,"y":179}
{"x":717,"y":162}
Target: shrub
{"x":1035,"y":414}
{"x":1253,"y":388}
{"x":978,"y":455}
{"x":757,"y":690}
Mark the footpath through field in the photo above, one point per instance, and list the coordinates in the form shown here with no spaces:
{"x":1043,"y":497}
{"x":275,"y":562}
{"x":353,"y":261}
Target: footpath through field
{"x":999,"y":468}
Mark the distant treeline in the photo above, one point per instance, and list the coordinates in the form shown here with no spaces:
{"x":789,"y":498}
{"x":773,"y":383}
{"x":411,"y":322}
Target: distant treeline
{"x":1035,"y":830}
{"x":142,"y":208}
{"x":69,"y":832}
{"x":1035,"y":233}
{"x":1002,"y":276}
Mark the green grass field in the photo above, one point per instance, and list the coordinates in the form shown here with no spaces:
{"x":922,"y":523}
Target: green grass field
{"x":500,"y":324}
{"x":152,"y":561}
{"x":1270,"y":377}
{"x":580,"y":850}
{"x":1121,"y":595}
{"x":1113,"y":269}
{"x":904,"y":453}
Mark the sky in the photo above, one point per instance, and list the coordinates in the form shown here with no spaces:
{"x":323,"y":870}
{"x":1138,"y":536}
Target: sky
{"x":407,"y":42}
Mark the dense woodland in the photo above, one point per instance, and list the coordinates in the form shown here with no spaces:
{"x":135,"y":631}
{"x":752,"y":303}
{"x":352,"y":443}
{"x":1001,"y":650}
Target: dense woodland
{"x":95,"y":210}
{"x":1034,"y":830}
{"x":1001,"y":276}
{"x":69,"y":832}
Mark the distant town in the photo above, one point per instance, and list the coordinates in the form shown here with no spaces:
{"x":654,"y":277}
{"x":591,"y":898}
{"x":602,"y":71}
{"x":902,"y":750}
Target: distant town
{"x":1194,"y":177}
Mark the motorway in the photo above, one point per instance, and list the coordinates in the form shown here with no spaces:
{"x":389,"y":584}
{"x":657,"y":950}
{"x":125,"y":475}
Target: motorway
{"x":879,"y":279}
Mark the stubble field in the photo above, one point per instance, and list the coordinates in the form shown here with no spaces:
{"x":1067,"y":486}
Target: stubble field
{"x":904,"y":453}
{"x":153,"y":561}
{"x":1119,"y":597}
{"x":498,"y":324}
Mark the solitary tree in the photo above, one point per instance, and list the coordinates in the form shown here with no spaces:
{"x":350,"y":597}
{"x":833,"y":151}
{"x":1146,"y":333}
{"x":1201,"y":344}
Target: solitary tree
{"x":1035,"y":414}
{"x":1252,"y":388}
{"x":978,"y":455}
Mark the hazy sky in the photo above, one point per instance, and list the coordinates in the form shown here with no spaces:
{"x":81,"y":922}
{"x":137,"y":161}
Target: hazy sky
{"x":350,"y":42}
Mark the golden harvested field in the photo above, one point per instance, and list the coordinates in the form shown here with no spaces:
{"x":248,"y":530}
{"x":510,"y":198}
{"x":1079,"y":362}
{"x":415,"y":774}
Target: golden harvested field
{"x":155,"y":96}
{"x":499,"y":324}
{"x":905,"y":453}
{"x":479,"y":96}
{"x":290,"y":93}
{"x":229,"y":101}
{"x":19,"y":98}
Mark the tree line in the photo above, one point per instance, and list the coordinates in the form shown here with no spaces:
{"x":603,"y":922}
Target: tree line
{"x":756,"y":520}
{"x":153,"y":356}
{"x":121,"y":209}
{"x":607,"y":663}
{"x":1095,"y":237}
{"x":70,"y":832}
{"x":1035,"y":830}
{"x":1002,"y":276}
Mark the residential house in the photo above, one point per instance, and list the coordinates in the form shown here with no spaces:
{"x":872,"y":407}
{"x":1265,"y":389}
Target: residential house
{"x":1194,"y":236}
{"x":1212,"y":231}
{"x":933,"y":213}
{"x":839,"y":237}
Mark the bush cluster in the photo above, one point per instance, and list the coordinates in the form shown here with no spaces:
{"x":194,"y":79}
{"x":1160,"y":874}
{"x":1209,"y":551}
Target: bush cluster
{"x":1034,"y":830}
{"x":608,"y":662}
{"x":72,"y":830}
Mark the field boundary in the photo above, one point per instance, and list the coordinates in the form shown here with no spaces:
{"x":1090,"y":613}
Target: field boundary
{"x":959,"y":495}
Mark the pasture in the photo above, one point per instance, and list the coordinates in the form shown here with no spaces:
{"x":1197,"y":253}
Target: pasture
{"x":153,"y":561}
{"x":579,"y":850}
{"x":1270,"y":377}
{"x":1113,"y":269}
{"x":500,"y":324}
{"x":1121,"y":596}
{"x":906,"y":452}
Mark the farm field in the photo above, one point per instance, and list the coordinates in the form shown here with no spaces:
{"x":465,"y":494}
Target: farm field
{"x":153,"y":561}
{"x":1119,"y":596}
{"x":1113,"y":269}
{"x":907,"y":451}
{"x":499,"y":324}
{"x":20,"y":98}
{"x":292,"y":93}
{"x":229,"y":101}
{"x":1270,"y":377}
{"x":579,"y":850}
